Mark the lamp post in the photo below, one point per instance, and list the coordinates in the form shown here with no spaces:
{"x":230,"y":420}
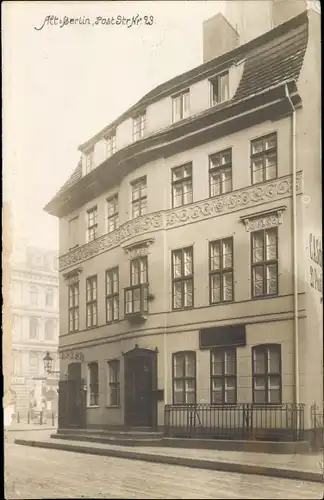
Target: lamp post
{"x":48,"y":365}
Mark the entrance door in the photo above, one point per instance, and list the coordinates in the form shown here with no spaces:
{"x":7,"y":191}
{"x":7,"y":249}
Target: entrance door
{"x":72,"y":398}
{"x":140,"y":385}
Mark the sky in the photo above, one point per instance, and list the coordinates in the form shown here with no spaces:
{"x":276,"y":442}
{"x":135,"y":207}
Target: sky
{"x":64,"y":84}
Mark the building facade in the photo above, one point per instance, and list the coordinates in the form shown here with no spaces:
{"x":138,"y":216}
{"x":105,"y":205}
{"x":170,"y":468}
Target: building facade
{"x":190,"y":237}
{"x":34,"y":303}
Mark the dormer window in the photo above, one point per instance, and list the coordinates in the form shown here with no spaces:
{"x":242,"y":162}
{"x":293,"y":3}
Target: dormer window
{"x":89,"y":160}
{"x":180,"y":106}
{"x":139,"y":123}
{"x":219,"y":88}
{"x":110,"y":144}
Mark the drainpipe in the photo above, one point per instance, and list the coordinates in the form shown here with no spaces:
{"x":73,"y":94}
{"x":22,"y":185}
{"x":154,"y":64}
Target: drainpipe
{"x":295,"y":260}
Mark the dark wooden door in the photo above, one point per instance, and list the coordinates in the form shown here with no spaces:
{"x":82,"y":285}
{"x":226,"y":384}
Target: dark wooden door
{"x":76,"y":397}
{"x":139,"y":403}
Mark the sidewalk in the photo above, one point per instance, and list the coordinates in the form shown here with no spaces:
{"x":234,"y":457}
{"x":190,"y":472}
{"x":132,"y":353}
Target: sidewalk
{"x":298,"y":467}
{"x":29,"y":427}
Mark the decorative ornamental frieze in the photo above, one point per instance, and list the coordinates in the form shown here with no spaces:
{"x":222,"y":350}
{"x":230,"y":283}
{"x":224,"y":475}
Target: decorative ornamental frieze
{"x":263,"y":220}
{"x":72,"y":356}
{"x":233,"y":201}
{"x":213,"y":207}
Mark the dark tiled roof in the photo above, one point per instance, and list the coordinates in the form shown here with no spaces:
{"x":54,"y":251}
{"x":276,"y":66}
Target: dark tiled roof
{"x":271,"y":59}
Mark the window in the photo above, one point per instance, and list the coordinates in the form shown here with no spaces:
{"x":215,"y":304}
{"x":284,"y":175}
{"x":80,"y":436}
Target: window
{"x":219,"y":89}
{"x":33,"y":328}
{"x":49,"y":298}
{"x":264,"y":159}
{"x":112,"y":295}
{"x":139,"y":123}
{"x":136,"y":294}
{"x":92,"y":224}
{"x":139,"y":197}
{"x":74,"y":307}
{"x":110,"y":144}
{"x":266,"y":372}
{"x":49,"y":329}
{"x":89,"y":160}
{"x":113,"y":216}
{"x":223,"y":376}
{"x":182,"y":278}
{"x":73,"y":233}
{"x":16,"y":360}
{"x":16,"y":325}
{"x":220,"y":173}
{"x":221,"y":270}
{"x":91,"y":305}
{"x":182,"y":185}
{"x":114,"y":382}
{"x":33,"y":362}
{"x":265,"y":262}
{"x":139,"y":273}
{"x":180,"y":106}
{"x":184,"y":378}
{"x":34,"y":295}
{"x":93,"y":384}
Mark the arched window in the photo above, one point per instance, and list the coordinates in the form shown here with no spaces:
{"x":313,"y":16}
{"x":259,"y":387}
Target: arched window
{"x":33,"y":328}
{"x":33,"y":295}
{"x":49,"y":297}
{"x":266,"y":373}
{"x":184,"y":377}
{"x":49,"y":329}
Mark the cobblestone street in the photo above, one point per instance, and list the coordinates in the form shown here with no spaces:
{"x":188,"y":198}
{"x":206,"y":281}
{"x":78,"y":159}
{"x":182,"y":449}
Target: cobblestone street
{"x":39,"y":473}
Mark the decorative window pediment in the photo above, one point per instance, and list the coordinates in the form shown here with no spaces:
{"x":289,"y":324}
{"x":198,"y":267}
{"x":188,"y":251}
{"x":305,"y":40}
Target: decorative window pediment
{"x":138,"y":249}
{"x":72,"y":276}
{"x":263,"y":220}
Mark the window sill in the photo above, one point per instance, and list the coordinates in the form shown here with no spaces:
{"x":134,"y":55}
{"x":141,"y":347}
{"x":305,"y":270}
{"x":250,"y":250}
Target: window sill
{"x":265,"y":297}
{"x":113,"y":407}
{"x":222,"y":303}
{"x":92,"y":406}
{"x":183,"y":309}
{"x":112,"y":321}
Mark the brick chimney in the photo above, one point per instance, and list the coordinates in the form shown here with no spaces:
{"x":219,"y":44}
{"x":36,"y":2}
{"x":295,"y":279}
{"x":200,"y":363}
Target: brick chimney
{"x":219,"y":37}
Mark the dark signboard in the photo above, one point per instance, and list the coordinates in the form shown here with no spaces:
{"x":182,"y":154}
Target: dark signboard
{"x":222,"y":336}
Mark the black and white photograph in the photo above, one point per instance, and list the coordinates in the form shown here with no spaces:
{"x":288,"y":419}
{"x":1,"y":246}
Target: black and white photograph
{"x":162,"y":249}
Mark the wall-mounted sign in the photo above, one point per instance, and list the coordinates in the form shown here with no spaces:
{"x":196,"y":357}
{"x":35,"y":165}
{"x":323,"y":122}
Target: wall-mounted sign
{"x":72,"y":355}
{"x":316,"y":267}
{"x":222,"y":336}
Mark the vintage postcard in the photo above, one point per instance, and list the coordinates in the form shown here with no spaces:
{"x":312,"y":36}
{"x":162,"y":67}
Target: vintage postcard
{"x":162,"y":249}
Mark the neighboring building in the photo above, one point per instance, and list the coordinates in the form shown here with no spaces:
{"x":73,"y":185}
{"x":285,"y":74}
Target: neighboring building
{"x":190,"y":236}
{"x":34,"y":305}
{"x":8,"y":396}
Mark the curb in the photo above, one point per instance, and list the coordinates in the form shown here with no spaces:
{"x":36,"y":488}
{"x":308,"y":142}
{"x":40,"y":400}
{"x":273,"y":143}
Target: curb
{"x":30,"y":430}
{"x":181,"y":461}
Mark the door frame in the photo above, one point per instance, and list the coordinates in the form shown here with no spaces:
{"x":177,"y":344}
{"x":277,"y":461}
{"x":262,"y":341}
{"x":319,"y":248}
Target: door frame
{"x":150,"y":354}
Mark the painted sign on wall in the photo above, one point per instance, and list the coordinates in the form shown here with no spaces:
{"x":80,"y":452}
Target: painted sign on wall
{"x":316,"y":256}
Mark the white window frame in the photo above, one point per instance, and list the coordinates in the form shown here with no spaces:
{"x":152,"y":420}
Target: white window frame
{"x":215,"y":80}
{"x":110,"y":142}
{"x":139,"y":126}
{"x":89,"y":160}
{"x":182,"y":100}
{"x":89,"y":403}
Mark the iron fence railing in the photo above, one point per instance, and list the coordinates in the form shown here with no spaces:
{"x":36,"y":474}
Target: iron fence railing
{"x":317,"y":417}
{"x":35,"y":417}
{"x":284,"y":422}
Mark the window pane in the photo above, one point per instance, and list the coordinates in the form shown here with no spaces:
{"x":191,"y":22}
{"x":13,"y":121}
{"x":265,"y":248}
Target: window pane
{"x":274,"y":396}
{"x":187,"y":258}
{"x":186,"y":104}
{"x":177,"y":264}
{"x":271,"y":279}
{"x":109,"y":310}
{"x":258,"y":245}
{"x":217,"y":363}
{"x":187,"y":192}
{"x":260,"y":361}
{"x":230,"y":363}
{"x":178,"y":366}
{"x":177,"y":195}
{"x":215,"y":256}
{"x":215,"y":288}
{"x":177,"y":108}
{"x":271,"y":244}
{"x":227,"y":253}
{"x":228,"y":286}
{"x":273,"y":360}
{"x":230,"y":396}
{"x":177,"y":295}
{"x":187,"y":290}
{"x":178,"y":385}
{"x":257,"y":170}
{"x":223,"y":86}
{"x":257,"y":146}
{"x":227,"y":181}
{"x":270,"y":142}
{"x":215,"y":183}
{"x":190,"y":365}
{"x":271,"y":169}
{"x":258,"y":281}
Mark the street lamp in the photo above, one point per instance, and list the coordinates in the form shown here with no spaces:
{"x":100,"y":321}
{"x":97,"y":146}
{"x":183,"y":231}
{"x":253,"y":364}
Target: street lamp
{"x":48,"y":365}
